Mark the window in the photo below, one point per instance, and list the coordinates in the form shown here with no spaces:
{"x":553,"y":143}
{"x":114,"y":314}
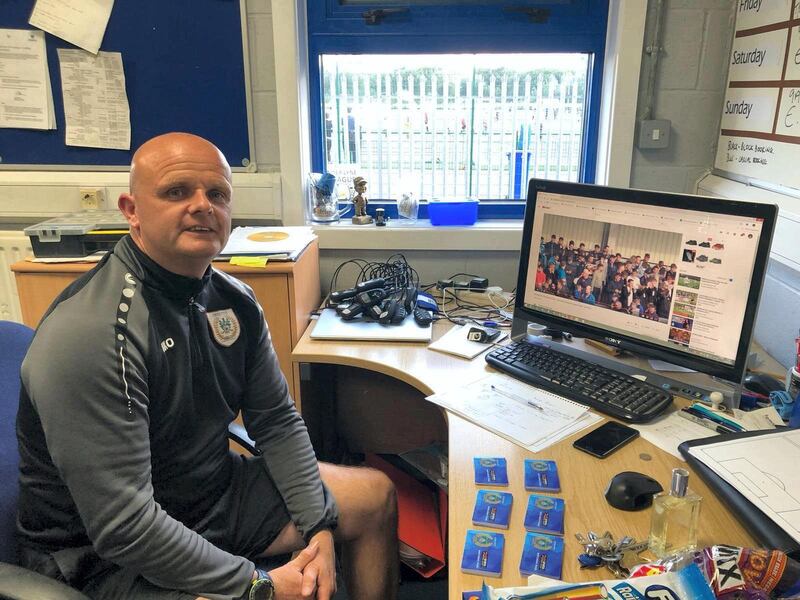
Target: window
{"x":467,"y":100}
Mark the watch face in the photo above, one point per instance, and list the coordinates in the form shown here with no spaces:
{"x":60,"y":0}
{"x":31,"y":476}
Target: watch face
{"x":262,"y":589}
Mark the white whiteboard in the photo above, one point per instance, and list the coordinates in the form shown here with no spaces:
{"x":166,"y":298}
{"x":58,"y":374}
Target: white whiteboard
{"x":760,"y":129}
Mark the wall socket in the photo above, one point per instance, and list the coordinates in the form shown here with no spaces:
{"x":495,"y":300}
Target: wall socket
{"x":93,"y":198}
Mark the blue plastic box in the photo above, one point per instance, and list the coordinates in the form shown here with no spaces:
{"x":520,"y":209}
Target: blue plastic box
{"x":453,"y":212}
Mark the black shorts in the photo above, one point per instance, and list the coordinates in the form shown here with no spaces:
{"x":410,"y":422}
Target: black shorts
{"x":245,"y":521}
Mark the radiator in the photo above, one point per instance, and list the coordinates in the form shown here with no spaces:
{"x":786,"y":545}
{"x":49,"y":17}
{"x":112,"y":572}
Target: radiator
{"x":14,"y":246}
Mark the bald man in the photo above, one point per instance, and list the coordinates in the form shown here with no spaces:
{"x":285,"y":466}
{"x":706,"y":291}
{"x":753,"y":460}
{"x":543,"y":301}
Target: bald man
{"x":128,"y":489}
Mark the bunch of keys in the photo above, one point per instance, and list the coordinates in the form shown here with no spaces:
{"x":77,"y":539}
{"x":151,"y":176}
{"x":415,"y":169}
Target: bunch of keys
{"x":619,"y":557}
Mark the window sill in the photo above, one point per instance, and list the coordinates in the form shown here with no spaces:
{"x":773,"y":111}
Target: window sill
{"x":488,"y":235}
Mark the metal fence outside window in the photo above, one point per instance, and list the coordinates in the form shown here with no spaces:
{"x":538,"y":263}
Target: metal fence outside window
{"x":483,"y":135}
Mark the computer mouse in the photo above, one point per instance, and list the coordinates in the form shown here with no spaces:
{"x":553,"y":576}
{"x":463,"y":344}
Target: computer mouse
{"x":631,"y":491}
{"x":762,"y":384}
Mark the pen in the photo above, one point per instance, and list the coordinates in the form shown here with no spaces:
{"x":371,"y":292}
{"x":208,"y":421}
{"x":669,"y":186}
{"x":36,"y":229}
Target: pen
{"x":515,"y":397}
{"x":708,"y":414}
{"x":715,"y":421}
{"x":704,"y":422}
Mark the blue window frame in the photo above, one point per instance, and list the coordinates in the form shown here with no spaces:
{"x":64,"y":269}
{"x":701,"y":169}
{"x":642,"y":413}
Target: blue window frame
{"x":448,"y":27}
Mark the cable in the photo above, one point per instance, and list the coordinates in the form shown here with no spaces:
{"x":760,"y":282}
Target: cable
{"x":396,"y":272}
{"x":399,"y":278}
{"x":468,"y":311}
{"x":380,"y":291}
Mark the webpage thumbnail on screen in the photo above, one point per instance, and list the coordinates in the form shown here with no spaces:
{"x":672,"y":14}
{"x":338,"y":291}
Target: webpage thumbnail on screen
{"x":671,"y":277}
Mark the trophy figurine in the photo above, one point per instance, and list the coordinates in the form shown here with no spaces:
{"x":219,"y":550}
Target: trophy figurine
{"x":360,"y":202}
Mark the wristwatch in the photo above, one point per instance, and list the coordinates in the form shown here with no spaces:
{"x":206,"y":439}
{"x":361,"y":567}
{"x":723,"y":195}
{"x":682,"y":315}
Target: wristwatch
{"x":262,"y":586}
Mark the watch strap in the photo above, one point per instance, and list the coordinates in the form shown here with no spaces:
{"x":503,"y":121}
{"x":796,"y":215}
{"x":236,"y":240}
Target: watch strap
{"x":262,"y":586}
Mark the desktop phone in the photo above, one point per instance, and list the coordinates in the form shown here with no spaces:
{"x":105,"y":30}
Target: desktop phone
{"x":606,"y":439}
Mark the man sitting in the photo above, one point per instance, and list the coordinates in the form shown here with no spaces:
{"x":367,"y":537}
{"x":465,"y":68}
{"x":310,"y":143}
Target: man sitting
{"x":127,"y":486}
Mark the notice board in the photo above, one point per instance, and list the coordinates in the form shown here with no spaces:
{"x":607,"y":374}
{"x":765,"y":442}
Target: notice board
{"x":185,"y":70}
{"x":760,"y":129}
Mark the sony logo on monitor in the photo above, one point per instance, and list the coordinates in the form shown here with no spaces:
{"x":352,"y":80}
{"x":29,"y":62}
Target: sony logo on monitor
{"x":614,"y":341}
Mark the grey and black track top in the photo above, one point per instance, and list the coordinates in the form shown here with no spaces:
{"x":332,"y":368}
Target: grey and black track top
{"x":127,"y":393}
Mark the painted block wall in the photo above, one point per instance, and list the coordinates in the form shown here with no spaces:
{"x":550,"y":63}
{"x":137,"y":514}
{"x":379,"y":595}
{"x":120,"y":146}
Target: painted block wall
{"x":692,"y":71}
{"x":262,"y":74}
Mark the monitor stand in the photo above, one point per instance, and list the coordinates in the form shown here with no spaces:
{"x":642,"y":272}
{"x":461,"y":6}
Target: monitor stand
{"x":675,"y":387}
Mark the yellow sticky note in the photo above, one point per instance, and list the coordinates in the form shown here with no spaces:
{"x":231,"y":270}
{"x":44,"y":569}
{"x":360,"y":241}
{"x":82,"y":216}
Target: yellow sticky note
{"x":249,"y":261}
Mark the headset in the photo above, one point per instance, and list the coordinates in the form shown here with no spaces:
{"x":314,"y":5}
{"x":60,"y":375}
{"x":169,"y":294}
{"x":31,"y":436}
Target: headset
{"x":385,"y":292}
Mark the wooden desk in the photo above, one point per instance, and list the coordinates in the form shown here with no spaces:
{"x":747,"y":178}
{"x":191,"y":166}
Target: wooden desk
{"x":287,"y":291}
{"x":583,"y":477}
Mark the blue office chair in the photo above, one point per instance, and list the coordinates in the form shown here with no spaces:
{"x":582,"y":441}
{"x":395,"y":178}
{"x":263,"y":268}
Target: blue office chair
{"x":16,"y":583}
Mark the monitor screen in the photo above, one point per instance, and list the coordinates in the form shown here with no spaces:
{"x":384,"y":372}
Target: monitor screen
{"x":669,"y":276}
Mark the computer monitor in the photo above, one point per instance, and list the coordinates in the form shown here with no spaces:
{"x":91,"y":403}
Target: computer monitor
{"x":674,"y":277}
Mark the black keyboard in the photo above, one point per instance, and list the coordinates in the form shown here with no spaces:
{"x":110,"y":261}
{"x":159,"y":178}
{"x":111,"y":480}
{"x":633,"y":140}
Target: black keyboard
{"x":613,"y":393}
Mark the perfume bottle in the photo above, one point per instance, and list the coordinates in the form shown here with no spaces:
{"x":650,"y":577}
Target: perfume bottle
{"x":673,"y":529}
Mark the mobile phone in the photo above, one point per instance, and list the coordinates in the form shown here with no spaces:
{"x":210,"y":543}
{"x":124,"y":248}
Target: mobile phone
{"x":607,"y":438}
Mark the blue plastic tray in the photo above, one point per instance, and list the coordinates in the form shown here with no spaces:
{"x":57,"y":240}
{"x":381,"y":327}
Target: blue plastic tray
{"x":453,"y":212}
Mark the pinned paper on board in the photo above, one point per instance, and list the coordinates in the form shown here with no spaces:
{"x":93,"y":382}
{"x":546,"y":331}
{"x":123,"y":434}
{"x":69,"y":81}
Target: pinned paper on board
{"x":96,"y":108}
{"x":26,"y":99}
{"x":76,"y":21}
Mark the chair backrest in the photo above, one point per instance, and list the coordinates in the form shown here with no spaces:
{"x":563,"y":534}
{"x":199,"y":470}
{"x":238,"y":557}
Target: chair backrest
{"x":14,"y":341}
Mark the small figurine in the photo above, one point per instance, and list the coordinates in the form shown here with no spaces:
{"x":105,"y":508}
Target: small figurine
{"x":360,"y":201}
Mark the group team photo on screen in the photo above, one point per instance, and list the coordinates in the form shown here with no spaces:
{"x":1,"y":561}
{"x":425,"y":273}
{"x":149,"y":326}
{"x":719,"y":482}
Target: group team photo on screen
{"x":639,"y":282}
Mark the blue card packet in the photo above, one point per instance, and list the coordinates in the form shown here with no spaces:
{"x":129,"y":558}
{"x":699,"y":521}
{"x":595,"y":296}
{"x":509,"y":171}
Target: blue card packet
{"x":490,"y":471}
{"x":473,"y":595}
{"x":492,"y":509}
{"x":545,"y":514}
{"x":541,"y":476}
{"x":483,"y":553}
{"x":543,"y":555}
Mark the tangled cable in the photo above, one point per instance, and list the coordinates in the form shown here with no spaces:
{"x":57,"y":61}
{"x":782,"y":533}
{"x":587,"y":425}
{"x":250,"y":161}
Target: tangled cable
{"x":382,"y":291}
{"x":396,"y":272}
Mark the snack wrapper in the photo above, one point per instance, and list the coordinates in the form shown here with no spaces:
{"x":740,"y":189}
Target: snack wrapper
{"x":687,"y":584}
{"x":749,"y":573}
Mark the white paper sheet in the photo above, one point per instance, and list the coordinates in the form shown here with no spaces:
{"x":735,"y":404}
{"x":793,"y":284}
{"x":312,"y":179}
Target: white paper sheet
{"x":755,"y":420}
{"x":55,"y":260}
{"x":455,"y":342}
{"x":669,"y":431}
{"x":80,"y":22}
{"x":51,"y":107}
{"x":764,"y":469}
{"x":514,"y":410}
{"x":266,"y":241}
{"x":585,"y":420}
{"x":95,"y":102}
{"x":26,"y":100}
